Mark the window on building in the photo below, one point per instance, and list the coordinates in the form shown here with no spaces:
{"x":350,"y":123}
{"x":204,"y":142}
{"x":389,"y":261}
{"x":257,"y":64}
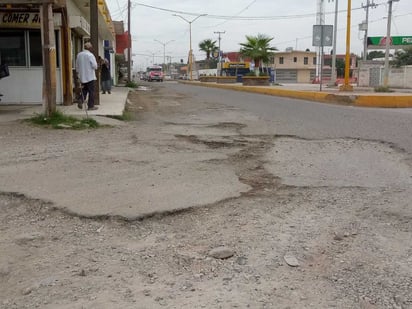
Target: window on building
{"x":305,"y":60}
{"x":295,"y":59}
{"x":12,"y":47}
{"x":36,"y":57}
{"x":281,"y":60}
{"x":23,"y":47}
{"x":314,"y":60}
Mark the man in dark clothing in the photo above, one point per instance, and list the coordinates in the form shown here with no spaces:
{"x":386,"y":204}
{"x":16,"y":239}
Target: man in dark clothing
{"x":105,"y":77}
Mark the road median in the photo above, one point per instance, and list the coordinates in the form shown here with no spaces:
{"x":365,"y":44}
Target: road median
{"x":398,"y":100}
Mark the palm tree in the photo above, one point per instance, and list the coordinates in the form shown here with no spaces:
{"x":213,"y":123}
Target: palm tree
{"x":208,"y":46}
{"x":257,"y":48}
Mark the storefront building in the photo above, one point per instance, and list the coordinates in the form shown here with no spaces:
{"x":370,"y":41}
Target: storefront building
{"x":21,"y":48}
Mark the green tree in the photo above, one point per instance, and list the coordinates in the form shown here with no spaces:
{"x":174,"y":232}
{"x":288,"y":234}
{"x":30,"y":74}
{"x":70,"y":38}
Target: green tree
{"x":208,"y":46}
{"x":375,"y":54}
{"x":403,"y":57}
{"x":257,"y":48}
{"x":340,"y":67}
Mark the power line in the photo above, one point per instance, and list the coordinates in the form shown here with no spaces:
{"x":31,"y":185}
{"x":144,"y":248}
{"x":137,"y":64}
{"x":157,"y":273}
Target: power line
{"x":341,"y":29}
{"x":119,"y":13}
{"x":120,"y":9}
{"x":365,"y":26}
{"x":247,"y":18}
{"x":238,"y":13}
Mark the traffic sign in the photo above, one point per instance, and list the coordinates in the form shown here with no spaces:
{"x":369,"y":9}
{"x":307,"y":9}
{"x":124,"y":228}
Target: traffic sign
{"x":322,"y":35}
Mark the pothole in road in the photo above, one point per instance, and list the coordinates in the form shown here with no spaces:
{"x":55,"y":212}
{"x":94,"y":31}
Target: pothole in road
{"x":247,"y":160}
{"x":213,"y":143}
{"x":229,"y":125}
{"x":338,"y":162}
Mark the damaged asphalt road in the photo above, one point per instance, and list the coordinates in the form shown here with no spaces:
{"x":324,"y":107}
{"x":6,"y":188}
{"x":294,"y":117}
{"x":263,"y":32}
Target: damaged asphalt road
{"x":126,"y":217}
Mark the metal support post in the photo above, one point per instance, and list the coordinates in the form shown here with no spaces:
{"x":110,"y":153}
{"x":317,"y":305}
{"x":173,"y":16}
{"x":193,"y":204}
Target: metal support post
{"x":388,"y":44}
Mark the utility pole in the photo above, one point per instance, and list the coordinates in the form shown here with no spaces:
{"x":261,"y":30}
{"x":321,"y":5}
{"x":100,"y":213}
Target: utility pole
{"x":94,"y":39}
{"x":366,"y":26}
{"x":388,"y":43}
{"x":49,"y":56}
{"x":168,"y":64}
{"x":220,"y":52}
{"x":129,"y":53}
{"x":335,"y":33}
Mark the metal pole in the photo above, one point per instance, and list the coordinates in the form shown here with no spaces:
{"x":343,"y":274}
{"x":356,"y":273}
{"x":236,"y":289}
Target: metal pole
{"x":365,"y":40}
{"x":190,"y":51}
{"x":220,"y":57}
{"x":164,"y":51}
{"x":346,"y":86}
{"x":164,"y":57}
{"x":321,"y":60}
{"x":387,"y":47}
{"x":335,"y":32}
{"x":320,"y":20}
{"x":129,"y":73}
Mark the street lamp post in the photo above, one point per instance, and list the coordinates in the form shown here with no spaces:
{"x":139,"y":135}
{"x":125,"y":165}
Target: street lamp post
{"x":190,"y":39}
{"x":387,"y":46}
{"x":164,"y":51}
{"x":220,"y":52}
{"x":151,"y":54}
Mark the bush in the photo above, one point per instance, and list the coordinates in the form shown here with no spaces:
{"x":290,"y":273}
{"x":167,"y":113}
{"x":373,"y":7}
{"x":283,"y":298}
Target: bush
{"x":58,"y":120}
{"x":131,"y":84}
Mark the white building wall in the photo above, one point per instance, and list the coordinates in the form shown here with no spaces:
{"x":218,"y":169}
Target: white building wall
{"x":400,"y":77}
{"x":408,"y":77}
{"x":25,"y":86}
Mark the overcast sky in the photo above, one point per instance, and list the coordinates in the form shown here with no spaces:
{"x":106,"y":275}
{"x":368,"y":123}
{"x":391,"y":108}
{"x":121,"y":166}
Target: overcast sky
{"x":288,"y":22}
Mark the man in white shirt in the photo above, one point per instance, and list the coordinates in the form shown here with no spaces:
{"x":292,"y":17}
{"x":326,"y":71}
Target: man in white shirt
{"x":86,"y":66}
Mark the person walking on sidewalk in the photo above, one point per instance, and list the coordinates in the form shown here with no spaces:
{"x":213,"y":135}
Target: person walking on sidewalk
{"x":86,"y":66}
{"x":105,"y":77}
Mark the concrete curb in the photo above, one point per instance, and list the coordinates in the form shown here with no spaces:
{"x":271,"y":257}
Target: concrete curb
{"x":352,"y":99}
{"x":398,"y":101}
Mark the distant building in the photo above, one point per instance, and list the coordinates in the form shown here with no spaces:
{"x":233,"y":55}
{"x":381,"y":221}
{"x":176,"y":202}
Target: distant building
{"x":293,"y":66}
{"x":234,"y":57}
{"x":296,"y":66}
{"x":122,"y":44}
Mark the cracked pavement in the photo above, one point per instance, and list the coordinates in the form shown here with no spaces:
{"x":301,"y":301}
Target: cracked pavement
{"x":124,"y":217}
